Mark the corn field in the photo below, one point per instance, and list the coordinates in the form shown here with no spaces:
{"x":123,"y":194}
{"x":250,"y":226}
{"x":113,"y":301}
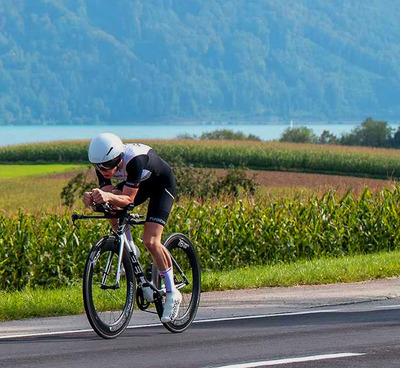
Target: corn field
{"x":359,"y":161}
{"x":47,"y":250}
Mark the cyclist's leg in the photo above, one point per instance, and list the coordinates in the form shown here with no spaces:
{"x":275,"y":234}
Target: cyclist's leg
{"x":161,"y":193}
{"x":160,"y":205}
{"x":162,"y":262}
{"x":159,"y":208}
{"x":152,"y":240}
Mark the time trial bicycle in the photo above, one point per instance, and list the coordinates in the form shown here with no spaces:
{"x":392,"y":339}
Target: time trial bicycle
{"x":113,"y":277}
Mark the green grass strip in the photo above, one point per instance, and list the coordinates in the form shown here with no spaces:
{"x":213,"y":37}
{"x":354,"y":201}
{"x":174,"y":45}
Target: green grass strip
{"x":23,"y":171}
{"x":314,"y":272}
{"x":30,"y":303}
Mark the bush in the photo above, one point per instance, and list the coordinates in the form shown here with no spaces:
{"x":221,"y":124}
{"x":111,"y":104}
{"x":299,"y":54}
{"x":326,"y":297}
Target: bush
{"x":201,"y":183}
{"x":191,"y":182}
{"x":226,"y":134}
{"x":76,"y":187}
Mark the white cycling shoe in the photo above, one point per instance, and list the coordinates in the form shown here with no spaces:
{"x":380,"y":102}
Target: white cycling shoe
{"x":171,"y":306}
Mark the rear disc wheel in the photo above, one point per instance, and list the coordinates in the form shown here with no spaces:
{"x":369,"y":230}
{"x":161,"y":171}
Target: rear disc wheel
{"x":187,"y":278}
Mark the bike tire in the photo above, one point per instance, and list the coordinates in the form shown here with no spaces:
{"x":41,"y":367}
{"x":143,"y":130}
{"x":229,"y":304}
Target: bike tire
{"x":184,"y":253}
{"x":108,"y":310}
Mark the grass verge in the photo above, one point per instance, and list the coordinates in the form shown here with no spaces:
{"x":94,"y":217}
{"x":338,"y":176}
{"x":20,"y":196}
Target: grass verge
{"x":30,"y":303}
{"x":315,"y":272}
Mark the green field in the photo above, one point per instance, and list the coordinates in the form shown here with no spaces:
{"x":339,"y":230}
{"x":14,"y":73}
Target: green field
{"x":23,"y":171}
{"x":34,"y":188}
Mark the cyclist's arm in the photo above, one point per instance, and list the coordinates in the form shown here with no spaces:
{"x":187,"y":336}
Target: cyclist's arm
{"x":117,"y":200}
{"x":107,"y":188}
{"x":134,"y":170}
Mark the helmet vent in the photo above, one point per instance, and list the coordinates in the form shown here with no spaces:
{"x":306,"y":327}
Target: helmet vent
{"x":109,"y":151}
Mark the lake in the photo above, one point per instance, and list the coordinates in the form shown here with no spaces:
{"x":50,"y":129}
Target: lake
{"x":44,"y":133}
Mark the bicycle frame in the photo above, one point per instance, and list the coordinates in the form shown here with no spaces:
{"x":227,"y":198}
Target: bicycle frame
{"x":125,"y":219}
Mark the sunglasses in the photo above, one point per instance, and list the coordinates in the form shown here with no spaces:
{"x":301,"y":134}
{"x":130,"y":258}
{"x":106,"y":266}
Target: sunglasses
{"x":109,"y":165}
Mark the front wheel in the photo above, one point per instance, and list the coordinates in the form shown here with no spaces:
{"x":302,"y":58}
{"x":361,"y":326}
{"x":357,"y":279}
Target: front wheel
{"x":108,"y":306}
{"x":187,"y":278}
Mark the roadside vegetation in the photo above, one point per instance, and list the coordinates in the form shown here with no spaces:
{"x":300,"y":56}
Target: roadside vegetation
{"x":67,"y":300}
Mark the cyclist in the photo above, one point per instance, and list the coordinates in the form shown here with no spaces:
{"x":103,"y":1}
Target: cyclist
{"x":143,"y":175}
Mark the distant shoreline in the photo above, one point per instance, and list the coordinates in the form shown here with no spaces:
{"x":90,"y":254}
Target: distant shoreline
{"x":188,"y":123}
{"x":268,"y":131}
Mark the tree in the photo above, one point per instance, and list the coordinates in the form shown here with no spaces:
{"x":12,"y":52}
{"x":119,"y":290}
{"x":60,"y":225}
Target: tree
{"x":371,"y":133}
{"x":327,"y":138}
{"x":299,"y":135}
{"x":396,"y":139}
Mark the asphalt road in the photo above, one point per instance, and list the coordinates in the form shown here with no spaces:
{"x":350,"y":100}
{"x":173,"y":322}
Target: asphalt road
{"x":332,"y":326}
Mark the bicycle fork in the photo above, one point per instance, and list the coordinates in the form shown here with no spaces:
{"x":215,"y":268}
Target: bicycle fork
{"x":121,"y":240}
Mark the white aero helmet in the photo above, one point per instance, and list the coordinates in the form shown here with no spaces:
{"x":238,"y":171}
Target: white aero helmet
{"x":105,"y":148}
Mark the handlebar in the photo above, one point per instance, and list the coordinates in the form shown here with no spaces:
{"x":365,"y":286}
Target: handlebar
{"x":108,"y":208}
{"x":110,"y":212}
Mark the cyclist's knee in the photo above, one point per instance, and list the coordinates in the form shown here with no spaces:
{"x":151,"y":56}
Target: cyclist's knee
{"x":151,"y":244}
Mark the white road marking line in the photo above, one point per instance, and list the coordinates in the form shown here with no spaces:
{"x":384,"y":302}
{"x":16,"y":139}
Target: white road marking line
{"x":40,"y":334}
{"x":265,"y":316}
{"x":56,"y":333}
{"x":292,"y":360}
{"x":387,"y":306}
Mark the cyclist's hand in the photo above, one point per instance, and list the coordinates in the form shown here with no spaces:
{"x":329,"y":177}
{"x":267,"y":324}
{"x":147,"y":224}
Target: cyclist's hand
{"x":87,"y":199}
{"x":100,"y":196}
